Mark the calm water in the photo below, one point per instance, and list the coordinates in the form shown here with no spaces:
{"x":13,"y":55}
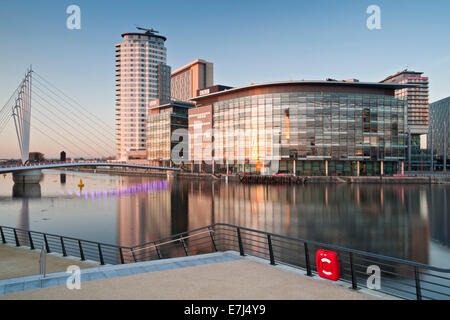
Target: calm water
{"x":405,"y":221}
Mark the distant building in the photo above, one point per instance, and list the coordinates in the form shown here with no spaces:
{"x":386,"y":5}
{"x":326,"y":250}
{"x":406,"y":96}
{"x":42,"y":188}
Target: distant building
{"x":162,"y":121}
{"x":418,"y":116}
{"x":417,"y":98}
{"x":187,"y":80}
{"x":141,"y":75}
{"x":439,"y":135}
{"x":36,"y":156}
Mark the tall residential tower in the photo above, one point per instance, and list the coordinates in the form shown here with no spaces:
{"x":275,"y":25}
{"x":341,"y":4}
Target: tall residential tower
{"x":138,"y":60}
{"x":417,"y":117}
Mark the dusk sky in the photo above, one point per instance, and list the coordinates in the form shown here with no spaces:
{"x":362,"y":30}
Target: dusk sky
{"x":248,"y":42}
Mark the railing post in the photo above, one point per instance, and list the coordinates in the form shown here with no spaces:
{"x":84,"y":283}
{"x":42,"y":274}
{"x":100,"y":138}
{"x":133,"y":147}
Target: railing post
{"x":158,"y":252}
{"x":47,"y":247}
{"x":63,"y":247}
{"x":241,"y":246}
{"x":121,"y":256}
{"x":418,"y":289}
{"x":16,"y":238}
{"x":185,"y":247}
{"x":352,"y":270}
{"x":31,"y":240}
{"x":308,"y":266}
{"x":272,"y":258}
{"x":134,"y":256}
{"x":212,"y":238}
{"x":3,"y":235}
{"x":81,"y":251}
{"x":100,"y":254}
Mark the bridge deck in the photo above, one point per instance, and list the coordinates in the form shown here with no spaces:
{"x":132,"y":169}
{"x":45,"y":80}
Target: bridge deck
{"x":81,"y":164}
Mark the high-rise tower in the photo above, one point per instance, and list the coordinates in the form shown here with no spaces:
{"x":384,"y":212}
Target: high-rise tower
{"x":417,"y":98}
{"x":137,"y":61}
{"x":418,"y":115}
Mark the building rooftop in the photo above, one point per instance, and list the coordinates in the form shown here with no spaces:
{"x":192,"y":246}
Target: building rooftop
{"x":329,"y":82}
{"x":441,"y":100}
{"x":181,"y":104}
{"x":400,"y":73}
{"x":190,"y":64}
{"x":147,"y":33}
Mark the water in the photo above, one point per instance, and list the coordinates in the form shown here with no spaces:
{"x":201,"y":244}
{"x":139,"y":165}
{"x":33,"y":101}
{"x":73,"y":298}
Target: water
{"x":405,"y":221}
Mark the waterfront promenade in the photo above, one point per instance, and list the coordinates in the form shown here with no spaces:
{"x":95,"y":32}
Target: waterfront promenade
{"x":21,"y":261}
{"x":410,"y":178}
{"x":223,"y":275}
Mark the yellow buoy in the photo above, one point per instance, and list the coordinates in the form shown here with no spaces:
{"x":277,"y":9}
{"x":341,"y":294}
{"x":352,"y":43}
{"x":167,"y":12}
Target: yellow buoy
{"x":81,"y":185}
{"x":4,"y":175}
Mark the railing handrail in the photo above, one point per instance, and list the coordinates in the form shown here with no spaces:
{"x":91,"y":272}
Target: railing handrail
{"x":171,"y":236}
{"x":325,"y":245}
{"x":66,"y":237}
{"x":368,"y":254}
{"x":154,"y":244}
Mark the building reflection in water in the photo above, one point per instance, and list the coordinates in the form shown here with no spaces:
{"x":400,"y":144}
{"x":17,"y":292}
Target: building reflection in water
{"x":393,"y":220}
{"x":25,"y":191}
{"x":366,"y":217}
{"x":440,"y":223}
{"x":146,"y":215}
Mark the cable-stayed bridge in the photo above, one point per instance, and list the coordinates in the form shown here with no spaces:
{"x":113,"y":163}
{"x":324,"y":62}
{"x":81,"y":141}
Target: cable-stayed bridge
{"x":38,"y":107}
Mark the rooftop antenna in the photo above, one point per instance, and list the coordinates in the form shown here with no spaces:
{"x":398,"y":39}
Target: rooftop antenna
{"x":147,"y":31}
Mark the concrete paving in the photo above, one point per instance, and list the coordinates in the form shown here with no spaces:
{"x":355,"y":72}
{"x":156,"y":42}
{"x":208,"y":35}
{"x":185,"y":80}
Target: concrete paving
{"x":201,"y":277}
{"x":21,"y":261}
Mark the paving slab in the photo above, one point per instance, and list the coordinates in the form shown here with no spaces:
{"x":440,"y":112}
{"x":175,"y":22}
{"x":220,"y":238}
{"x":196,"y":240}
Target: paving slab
{"x":22,"y":261}
{"x":240,"y":279}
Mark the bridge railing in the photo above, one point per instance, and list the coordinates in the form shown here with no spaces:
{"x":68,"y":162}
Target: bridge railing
{"x":398,"y":277}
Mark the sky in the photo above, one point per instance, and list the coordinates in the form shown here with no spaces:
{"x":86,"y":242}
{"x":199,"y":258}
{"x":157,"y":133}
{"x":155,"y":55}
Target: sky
{"x":248,"y":42}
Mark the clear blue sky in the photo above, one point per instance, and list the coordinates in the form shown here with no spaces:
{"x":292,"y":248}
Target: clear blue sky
{"x":248,"y":41}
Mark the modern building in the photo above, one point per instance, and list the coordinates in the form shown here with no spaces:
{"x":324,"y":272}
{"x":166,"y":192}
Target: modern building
{"x":140,"y":62}
{"x":439,"y":135}
{"x":187,"y":80}
{"x":163,"y":120}
{"x":302,"y":127}
{"x":417,"y":97}
{"x":163,"y":76}
{"x":200,"y":132}
{"x":418,"y":154}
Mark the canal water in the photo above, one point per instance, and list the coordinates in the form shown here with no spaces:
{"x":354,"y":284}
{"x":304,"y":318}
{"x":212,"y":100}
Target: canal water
{"x":406,"y":221}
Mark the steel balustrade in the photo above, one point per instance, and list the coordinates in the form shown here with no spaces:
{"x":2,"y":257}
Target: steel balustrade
{"x":402,"y":278}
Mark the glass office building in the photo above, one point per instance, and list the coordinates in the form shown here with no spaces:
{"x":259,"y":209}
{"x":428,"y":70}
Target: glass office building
{"x":308,"y":128}
{"x":439,"y":135}
{"x":162,"y":121}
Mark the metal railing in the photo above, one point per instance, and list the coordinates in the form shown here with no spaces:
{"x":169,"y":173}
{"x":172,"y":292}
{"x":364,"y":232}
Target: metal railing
{"x":67,"y":246}
{"x":398,"y":277}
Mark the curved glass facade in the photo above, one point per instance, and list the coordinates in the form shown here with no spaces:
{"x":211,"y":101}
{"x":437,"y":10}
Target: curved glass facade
{"x":350,"y":131}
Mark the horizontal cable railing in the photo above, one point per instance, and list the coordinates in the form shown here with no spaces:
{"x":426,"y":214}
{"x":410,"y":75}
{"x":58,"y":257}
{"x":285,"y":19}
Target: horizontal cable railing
{"x":398,"y":277}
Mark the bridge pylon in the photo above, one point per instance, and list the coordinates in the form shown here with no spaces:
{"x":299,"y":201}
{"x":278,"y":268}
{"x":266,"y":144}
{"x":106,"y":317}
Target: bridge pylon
{"x":21,"y":112}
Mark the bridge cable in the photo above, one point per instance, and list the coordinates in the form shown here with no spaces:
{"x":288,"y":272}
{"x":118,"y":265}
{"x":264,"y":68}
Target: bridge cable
{"x":105,"y":140}
{"x":69,"y":124}
{"x":71,"y":110}
{"x":58,"y":134}
{"x":6,"y":111}
{"x":100,"y":120}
